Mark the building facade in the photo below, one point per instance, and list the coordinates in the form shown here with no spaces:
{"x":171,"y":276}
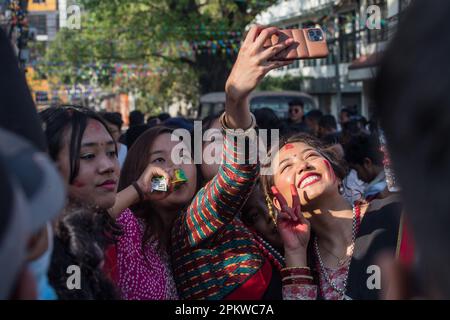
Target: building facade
{"x":354,"y":41}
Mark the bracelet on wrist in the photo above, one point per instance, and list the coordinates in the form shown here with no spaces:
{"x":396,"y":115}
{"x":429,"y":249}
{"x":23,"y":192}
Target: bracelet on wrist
{"x":139,"y":191}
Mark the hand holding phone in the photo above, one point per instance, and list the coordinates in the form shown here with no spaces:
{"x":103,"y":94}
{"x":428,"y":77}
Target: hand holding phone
{"x":309,"y":43}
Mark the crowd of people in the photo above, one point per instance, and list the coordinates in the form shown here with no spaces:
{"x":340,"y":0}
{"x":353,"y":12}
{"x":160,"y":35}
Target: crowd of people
{"x":81,"y":219}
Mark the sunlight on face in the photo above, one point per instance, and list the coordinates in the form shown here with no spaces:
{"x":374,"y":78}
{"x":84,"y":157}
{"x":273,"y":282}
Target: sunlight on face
{"x":310,"y":172}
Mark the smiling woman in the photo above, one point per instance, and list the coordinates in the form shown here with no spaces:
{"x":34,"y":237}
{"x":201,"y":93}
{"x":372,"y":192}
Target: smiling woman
{"x":321,"y":232}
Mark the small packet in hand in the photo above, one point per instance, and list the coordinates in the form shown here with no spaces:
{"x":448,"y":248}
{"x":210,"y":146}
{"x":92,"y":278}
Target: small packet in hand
{"x":159,"y":184}
{"x":179,"y":179}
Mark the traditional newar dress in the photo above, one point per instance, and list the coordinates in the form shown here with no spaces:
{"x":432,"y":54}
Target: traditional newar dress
{"x":214,"y":255}
{"x":383,"y":229}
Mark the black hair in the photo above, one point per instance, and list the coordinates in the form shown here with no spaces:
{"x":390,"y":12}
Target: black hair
{"x":57,"y":120}
{"x":152,"y":121}
{"x":332,"y":139}
{"x":296,"y":102}
{"x":82,"y":235}
{"x":349,"y":111}
{"x":314,"y":115}
{"x":164,"y":116}
{"x":266,"y":118}
{"x":136,"y":118}
{"x":113,"y":117}
{"x":412,"y":100}
{"x":133,"y":133}
{"x":328,"y":122}
{"x":208,"y":121}
{"x":361,"y":147}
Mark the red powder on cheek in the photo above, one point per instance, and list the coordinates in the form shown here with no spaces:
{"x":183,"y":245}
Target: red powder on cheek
{"x":78,"y":184}
{"x":289,"y":146}
{"x":330,"y":169}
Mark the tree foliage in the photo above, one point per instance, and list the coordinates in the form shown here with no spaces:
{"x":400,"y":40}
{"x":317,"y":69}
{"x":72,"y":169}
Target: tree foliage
{"x":168,"y":41}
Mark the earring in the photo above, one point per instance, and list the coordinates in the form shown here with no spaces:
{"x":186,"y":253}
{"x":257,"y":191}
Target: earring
{"x":270,"y":208}
{"x":341,"y":188}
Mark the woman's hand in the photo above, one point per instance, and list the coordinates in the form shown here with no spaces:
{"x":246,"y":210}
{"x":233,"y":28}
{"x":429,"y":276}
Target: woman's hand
{"x":294,"y":228}
{"x":145,"y":182}
{"x":252,"y":64}
{"x":130,"y":196}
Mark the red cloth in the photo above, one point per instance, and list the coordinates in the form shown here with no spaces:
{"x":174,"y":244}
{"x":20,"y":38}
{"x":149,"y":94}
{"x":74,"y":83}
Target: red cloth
{"x":406,"y":252}
{"x":110,"y":267}
{"x":255,"y":287}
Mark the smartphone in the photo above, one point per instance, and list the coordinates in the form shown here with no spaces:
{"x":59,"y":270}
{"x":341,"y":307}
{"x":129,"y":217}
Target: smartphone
{"x":309,"y":43}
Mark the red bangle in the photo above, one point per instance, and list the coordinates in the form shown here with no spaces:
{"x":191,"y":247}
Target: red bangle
{"x":286,"y":272}
{"x":298,"y":277}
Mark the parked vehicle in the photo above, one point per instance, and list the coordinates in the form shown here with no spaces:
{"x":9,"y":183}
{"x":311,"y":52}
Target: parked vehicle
{"x":214,"y":103}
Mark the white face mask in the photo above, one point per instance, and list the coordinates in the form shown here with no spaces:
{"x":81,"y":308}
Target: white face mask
{"x":39,"y":269}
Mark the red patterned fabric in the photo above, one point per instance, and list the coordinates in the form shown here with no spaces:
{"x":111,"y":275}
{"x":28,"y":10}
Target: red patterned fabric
{"x":255,"y":287}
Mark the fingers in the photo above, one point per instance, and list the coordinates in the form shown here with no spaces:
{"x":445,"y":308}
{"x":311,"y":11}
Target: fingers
{"x":295,"y":197}
{"x":160,"y":172}
{"x":264,"y":36}
{"x":276,"y":64}
{"x":283,"y":216}
{"x":284,"y":206}
{"x":280,"y":198}
{"x":271,"y":52}
{"x":253,"y":34}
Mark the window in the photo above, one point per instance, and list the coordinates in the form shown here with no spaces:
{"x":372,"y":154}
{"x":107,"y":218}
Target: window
{"x":39,"y":22}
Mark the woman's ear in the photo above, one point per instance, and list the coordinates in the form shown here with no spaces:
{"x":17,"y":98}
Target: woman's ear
{"x":367,"y":164}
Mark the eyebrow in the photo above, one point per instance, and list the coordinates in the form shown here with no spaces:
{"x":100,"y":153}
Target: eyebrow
{"x":156,"y":152}
{"x":289,"y":158}
{"x":94,"y":144}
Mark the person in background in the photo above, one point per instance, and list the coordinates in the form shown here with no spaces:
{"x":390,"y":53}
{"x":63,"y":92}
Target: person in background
{"x":85,"y":153}
{"x":137,"y":118}
{"x":328,"y":127}
{"x":363,"y":154}
{"x":179,"y":123}
{"x":345,"y":115}
{"x":114,"y":122}
{"x":295,"y":118}
{"x":353,"y":187}
{"x":412,"y":100}
{"x":351,"y":129}
{"x":312,"y":119}
{"x":267,"y":119}
{"x":136,"y":128}
{"x":33,"y":194}
{"x":153,"y":121}
{"x":163,"y":117}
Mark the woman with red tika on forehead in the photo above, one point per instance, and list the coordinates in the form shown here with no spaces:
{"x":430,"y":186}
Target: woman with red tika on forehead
{"x":330,"y":246}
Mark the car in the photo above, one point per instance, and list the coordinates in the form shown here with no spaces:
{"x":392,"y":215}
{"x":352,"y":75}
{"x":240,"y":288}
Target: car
{"x":214,"y":103}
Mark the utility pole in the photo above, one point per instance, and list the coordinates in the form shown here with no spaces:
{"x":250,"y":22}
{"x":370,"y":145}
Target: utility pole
{"x":337,"y":61}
